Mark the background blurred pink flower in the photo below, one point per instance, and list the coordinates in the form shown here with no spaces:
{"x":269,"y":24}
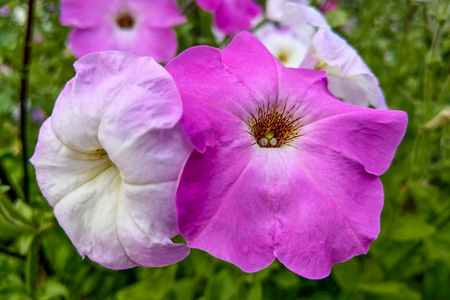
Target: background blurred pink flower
{"x":135,"y":26}
{"x":281,"y":168}
{"x":38,"y":115}
{"x":328,"y":6}
{"x":4,"y":11}
{"x":232,"y":16}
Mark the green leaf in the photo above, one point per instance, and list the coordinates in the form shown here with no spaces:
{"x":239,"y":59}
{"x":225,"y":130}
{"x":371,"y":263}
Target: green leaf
{"x":12,"y":222}
{"x":32,"y":266}
{"x":389,"y":290}
{"x":337,"y":18}
{"x":53,"y":290}
{"x":138,"y":291}
{"x":411,"y":228}
{"x":220,"y":286}
{"x":255,"y":292}
{"x":347,"y":274}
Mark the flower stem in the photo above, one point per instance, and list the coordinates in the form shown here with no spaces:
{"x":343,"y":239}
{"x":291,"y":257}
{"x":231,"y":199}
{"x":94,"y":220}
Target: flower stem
{"x":10,"y":253}
{"x":23,"y":95}
{"x":190,"y":4}
{"x":12,"y":194}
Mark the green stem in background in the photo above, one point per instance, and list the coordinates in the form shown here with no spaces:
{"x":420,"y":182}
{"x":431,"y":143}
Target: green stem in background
{"x":5,"y":180}
{"x":190,"y":4}
{"x":444,"y":92}
{"x":10,"y":253}
{"x":23,"y":99}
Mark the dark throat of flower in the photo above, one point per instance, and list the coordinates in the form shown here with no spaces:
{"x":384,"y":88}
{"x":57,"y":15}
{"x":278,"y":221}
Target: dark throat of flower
{"x":283,"y":57}
{"x":125,"y":20}
{"x":275,"y":125}
{"x":103,"y":154}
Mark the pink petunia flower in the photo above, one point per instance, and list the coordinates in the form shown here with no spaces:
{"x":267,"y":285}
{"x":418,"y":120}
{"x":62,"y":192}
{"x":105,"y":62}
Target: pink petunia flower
{"x":38,"y":115}
{"x":281,"y":168}
{"x":327,"y":6}
{"x":305,"y":35}
{"x":136,"y":26}
{"x":232,"y":16}
{"x":109,"y":157}
{"x":4,"y":11}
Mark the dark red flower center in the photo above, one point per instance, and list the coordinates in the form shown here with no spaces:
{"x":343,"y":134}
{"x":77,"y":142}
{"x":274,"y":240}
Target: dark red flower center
{"x":275,"y":125}
{"x":125,"y":21}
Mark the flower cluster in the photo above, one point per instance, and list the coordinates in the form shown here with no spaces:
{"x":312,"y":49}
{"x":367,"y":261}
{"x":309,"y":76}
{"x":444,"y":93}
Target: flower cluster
{"x":246,"y":158}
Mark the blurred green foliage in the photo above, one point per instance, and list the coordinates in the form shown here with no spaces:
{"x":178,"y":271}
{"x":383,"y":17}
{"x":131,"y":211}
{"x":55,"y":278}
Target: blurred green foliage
{"x":405,"y":42}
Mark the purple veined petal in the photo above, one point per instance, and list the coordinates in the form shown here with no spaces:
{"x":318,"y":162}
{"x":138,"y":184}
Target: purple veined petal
{"x":353,"y":77}
{"x":109,"y":159}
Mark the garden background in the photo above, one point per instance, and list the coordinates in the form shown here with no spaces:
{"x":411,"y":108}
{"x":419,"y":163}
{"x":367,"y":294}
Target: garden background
{"x":406,"y":43}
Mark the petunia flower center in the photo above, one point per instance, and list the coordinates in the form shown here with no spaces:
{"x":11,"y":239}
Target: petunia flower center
{"x":125,"y":21}
{"x":103,"y":154}
{"x":275,"y":125}
{"x":283,"y":57}
{"x":321,"y":64}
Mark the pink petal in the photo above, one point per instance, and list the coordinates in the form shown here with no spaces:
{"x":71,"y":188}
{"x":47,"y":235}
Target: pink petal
{"x":85,"y":41}
{"x":86,"y":13}
{"x":250,"y":60}
{"x":312,"y":204}
{"x":369,"y":136}
{"x":159,"y":43}
{"x":222,"y":204}
{"x":215,"y":82}
{"x":157,"y":13}
{"x":329,"y":210}
{"x":233,"y":16}
{"x":209,"y":5}
{"x":366,"y":135}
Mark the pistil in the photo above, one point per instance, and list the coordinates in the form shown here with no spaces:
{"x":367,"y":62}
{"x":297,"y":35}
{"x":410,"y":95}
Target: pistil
{"x":274,"y":125}
{"x":125,"y":21}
